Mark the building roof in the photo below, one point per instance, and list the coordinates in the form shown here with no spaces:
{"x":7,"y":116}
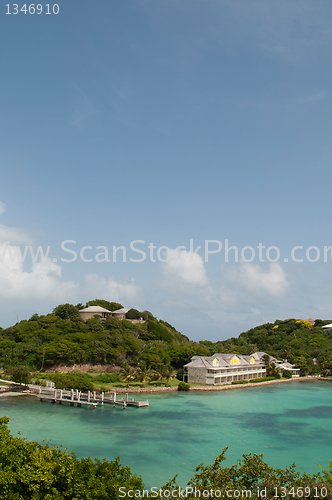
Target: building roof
{"x":199,"y":362}
{"x":259,"y":355}
{"x":327,"y":326}
{"x":121,"y":311}
{"x":223,"y":360}
{"x":287,"y":366}
{"x":311,"y":321}
{"x":95,"y":309}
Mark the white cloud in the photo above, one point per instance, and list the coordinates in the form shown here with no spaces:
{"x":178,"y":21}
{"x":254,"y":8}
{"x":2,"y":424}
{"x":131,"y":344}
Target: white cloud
{"x":243,"y":296}
{"x":2,"y":207}
{"x":43,"y":282}
{"x":185,"y":268}
{"x":15,"y":235}
{"x":256,"y":279}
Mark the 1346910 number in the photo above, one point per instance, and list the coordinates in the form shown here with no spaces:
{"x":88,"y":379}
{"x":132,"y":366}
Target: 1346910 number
{"x":33,"y":8}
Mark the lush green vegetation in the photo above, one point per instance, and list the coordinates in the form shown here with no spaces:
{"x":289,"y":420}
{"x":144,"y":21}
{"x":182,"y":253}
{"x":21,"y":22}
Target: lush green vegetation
{"x":34,"y":471}
{"x":262,"y":379}
{"x":183,"y":386}
{"x":152,"y":349}
{"x":252,"y":474}
{"x":294,"y":340}
{"x":63,"y":338}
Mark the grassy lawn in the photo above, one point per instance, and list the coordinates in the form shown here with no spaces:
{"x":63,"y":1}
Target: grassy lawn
{"x":134,"y":384}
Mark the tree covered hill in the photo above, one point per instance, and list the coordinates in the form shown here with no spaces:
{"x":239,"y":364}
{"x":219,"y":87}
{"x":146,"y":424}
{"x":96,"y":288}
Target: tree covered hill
{"x":294,"y":340}
{"x":63,"y":338}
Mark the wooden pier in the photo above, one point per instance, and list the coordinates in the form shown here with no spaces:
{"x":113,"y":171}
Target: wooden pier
{"x":89,"y":398}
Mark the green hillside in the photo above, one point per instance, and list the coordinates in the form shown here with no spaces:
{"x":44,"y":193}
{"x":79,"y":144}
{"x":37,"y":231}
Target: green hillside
{"x":294,"y":340}
{"x":63,"y":338}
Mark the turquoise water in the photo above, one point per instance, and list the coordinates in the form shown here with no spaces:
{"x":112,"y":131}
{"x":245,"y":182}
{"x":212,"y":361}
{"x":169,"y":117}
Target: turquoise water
{"x":286,"y":422}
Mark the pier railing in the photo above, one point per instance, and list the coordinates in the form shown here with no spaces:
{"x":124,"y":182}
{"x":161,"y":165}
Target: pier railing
{"x":90,"y":398}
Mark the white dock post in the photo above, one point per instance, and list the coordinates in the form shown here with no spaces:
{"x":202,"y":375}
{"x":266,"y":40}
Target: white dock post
{"x":114,"y":397}
{"x":102,"y":398}
{"x":76,"y":393}
{"x":72,"y":395}
{"x":88,"y":396}
{"x":94,"y":395}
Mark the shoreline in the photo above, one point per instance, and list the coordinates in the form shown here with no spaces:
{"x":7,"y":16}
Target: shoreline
{"x":11,"y":393}
{"x":142,"y":390}
{"x":210,"y":387}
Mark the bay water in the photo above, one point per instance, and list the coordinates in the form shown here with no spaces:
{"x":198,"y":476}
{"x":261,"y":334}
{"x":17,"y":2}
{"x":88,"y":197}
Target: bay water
{"x":289,"y":422}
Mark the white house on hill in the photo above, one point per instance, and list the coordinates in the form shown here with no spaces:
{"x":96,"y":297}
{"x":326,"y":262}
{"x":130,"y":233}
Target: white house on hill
{"x":91,"y":311}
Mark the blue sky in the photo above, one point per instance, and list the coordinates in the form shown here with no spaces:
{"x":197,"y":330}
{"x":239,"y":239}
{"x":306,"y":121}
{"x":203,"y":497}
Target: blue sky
{"x":165,"y":121}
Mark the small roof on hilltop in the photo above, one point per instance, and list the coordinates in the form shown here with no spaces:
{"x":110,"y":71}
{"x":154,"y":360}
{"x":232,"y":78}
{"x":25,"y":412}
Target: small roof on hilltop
{"x":95,"y":309}
{"x":327,"y":326}
{"x":311,"y":321}
{"x":123,"y":311}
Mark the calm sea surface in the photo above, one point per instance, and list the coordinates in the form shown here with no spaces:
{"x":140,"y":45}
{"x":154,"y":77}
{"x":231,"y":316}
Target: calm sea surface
{"x":286,"y":422}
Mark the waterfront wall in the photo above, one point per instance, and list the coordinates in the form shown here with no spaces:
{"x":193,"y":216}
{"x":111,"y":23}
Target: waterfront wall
{"x":214,"y":387}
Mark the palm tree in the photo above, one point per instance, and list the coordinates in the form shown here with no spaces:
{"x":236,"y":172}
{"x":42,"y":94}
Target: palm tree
{"x":153,"y":375}
{"x":125,"y":374}
{"x":142,"y":372}
{"x":169,"y":372}
{"x":267,"y":363}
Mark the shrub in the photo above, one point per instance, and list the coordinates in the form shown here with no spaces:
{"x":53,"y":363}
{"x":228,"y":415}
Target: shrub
{"x":127,"y":324}
{"x":235,"y":382}
{"x":66,"y":311}
{"x":159,"y":331}
{"x":107,"y":378}
{"x":133,"y":314}
{"x":73,"y":380}
{"x":179,"y":374}
{"x":111,"y":306}
{"x":183,"y":386}
{"x":262,"y":379}
{"x":287,"y":374}
{"x":147,"y":315}
{"x":22,"y":375}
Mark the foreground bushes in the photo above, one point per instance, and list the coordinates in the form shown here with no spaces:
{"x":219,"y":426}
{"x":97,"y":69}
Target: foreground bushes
{"x":32,"y":471}
{"x":252,"y":474}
